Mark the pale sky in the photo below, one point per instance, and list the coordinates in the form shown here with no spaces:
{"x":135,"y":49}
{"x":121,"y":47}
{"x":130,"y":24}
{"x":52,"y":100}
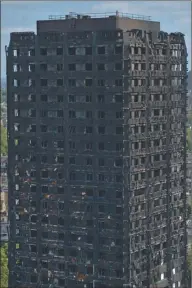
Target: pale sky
{"x":174,"y":16}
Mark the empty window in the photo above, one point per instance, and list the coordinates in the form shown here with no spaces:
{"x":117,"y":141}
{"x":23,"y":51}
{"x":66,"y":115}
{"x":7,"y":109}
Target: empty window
{"x":44,"y":159}
{"x":118,"y":49}
{"x":101,"y":162}
{"x":71,"y":50}
{"x":89,"y":161}
{"x":101,"y":114}
{"x":89,"y":176}
{"x":59,"y":82}
{"x":101,"y":83}
{"x":101,"y":146}
{"x":43,"y":67}
{"x":72,"y":82}
{"x":118,"y":162}
{"x":100,"y":98}
{"x":88,"y":146}
{"x":71,"y":98}
{"x":118,"y":66}
{"x":88,"y":98}
{"x":59,"y":67}
{"x":101,"y":177}
{"x":118,"y":178}
{"x":60,"y":190}
{"x":88,"y":66}
{"x":118,"y":98}
{"x":89,"y":130}
{"x":72,"y":160}
{"x":119,"y":146}
{"x":43,"y":82}
{"x":118,"y":82}
{"x":88,"y":50}
{"x":59,"y":113}
{"x":43,"y":51}
{"x":101,"y":129}
{"x":101,"y":50}
{"x":88,"y":82}
{"x":44,"y":144}
{"x":59,"y":51}
{"x":101,"y":193}
{"x":101,"y":67}
{"x":72,"y":67}
{"x":72,"y":114}
{"x":119,"y":115}
{"x":43,"y":98}
{"x":44,"y":174}
{"x":72,"y":176}
{"x":119,"y":130}
{"x":88,"y":114}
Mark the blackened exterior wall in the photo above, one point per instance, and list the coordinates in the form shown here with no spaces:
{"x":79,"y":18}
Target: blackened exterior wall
{"x":98,"y":192}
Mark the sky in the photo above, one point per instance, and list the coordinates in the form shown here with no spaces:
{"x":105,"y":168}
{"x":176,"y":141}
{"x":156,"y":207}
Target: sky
{"x":18,"y":16}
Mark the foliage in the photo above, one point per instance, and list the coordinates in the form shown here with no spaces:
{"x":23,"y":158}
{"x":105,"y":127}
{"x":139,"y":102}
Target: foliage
{"x":4,"y":266}
{"x":3,"y":95}
{"x":189,"y":139}
{"x":3,"y":140}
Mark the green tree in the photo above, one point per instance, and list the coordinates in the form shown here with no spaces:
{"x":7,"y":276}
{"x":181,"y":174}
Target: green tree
{"x":4,"y":266}
{"x":189,"y":139}
{"x":3,"y":140}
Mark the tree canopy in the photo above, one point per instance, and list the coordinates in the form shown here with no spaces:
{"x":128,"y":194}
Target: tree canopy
{"x":3,"y":140}
{"x":4,"y":266}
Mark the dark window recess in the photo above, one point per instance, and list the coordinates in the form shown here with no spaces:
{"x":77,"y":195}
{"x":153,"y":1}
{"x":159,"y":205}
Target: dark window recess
{"x":71,"y":50}
{"x":43,"y":128}
{"x":60,"y":129}
{"x":89,"y":176}
{"x":118,"y":82}
{"x":88,"y":98}
{"x":43,"y":67}
{"x":60,"y":144}
{"x":44,"y":174}
{"x":89,"y":130}
{"x":118,"y":49}
{"x":101,"y":177}
{"x":60,"y":159}
{"x":33,"y":189}
{"x":119,"y":130}
{"x":72,"y":145}
{"x":60,"y":175}
{"x":72,"y":67}
{"x":118,"y":178}
{"x":100,"y":98}
{"x":118,"y":194}
{"x":89,"y":161}
{"x":101,"y":146}
{"x":72,"y":82}
{"x":119,"y":115}
{"x":59,"y":82}
{"x":119,"y":146}
{"x":44,"y":189}
{"x":89,"y":114}
{"x":72,"y":114}
{"x":88,"y":82}
{"x":88,"y":146}
{"x":101,"y":130}
{"x":61,"y":205}
{"x":118,"y":66}
{"x":101,"y":162}
{"x":43,"y":51}
{"x":59,"y":67}
{"x":71,"y":98}
{"x":119,"y":98}
{"x":44,"y":144}
{"x":59,"y":98}
{"x":60,"y":190}
{"x":88,"y":50}
{"x":72,"y":176}
{"x":89,"y":192}
{"x":88,"y":66}
{"x":101,"y":67}
{"x":101,"y":114}
{"x":102,"y":193}
{"x":44,"y":159}
{"x":61,"y":221}
{"x":44,"y":98}
{"x":43,"y":82}
{"x":101,"y":50}
{"x":59,"y":113}
{"x":118,"y":162}
{"x":59,"y":51}
{"x":101,"y":83}
{"x":72,"y":160}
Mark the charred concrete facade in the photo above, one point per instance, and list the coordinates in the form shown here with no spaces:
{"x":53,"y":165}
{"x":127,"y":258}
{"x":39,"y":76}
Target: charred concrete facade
{"x":97,"y":154}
